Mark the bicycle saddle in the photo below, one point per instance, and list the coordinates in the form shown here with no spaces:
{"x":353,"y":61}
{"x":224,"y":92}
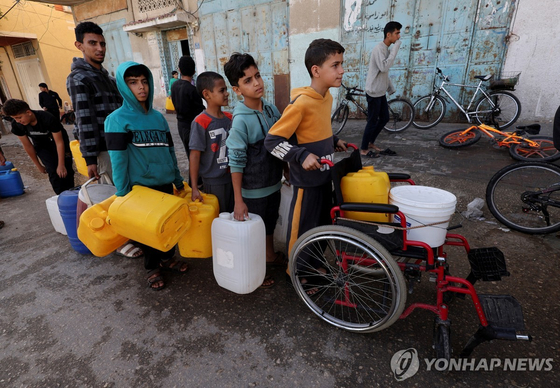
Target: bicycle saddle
{"x":484,"y":77}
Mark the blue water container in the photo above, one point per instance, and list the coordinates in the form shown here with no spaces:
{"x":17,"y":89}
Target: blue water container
{"x":10,"y":183}
{"x":67,"y":203}
{"x":7,"y":166}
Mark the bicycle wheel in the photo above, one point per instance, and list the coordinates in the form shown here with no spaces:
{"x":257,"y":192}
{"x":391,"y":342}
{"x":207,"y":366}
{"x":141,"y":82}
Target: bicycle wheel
{"x":428,"y":111}
{"x":506,"y":111}
{"x":545,"y":152}
{"x":526,"y":197}
{"x":339,"y":118}
{"x":351,"y":281}
{"x":458,"y":139}
{"x":400,"y":115}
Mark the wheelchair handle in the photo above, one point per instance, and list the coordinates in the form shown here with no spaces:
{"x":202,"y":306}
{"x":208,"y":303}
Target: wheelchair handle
{"x":326,"y":161}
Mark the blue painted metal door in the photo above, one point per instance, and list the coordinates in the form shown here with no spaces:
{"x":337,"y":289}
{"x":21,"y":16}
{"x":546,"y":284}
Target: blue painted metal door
{"x":257,"y":27}
{"x":118,"y":45}
{"x":462,"y":37}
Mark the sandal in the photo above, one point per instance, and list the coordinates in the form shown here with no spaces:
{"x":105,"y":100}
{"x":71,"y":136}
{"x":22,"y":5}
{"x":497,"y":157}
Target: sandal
{"x":370,"y":154}
{"x":388,"y":151}
{"x":154,"y":278}
{"x":268,"y":282}
{"x":130,"y":251}
{"x":309,"y":289}
{"x":279,"y":261}
{"x":174,"y":266}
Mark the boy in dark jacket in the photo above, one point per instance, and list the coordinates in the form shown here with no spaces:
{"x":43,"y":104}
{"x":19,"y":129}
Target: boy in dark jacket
{"x":49,"y":100}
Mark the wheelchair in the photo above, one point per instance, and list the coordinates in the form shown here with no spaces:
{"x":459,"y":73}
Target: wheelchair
{"x":355,"y":274}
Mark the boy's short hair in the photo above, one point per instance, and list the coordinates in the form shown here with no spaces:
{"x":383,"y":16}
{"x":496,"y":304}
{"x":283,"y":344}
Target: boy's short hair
{"x":174,"y":72}
{"x":14,"y":107}
{"x":137,"y":71}
{"x":86,"y":28}
{"x":319,"y":51}
{"x":236,"y":66}
{"x":391,"y":27}
{"x":43,"y":85}
{"x":186,"y":65}
{"x":206,"y":81}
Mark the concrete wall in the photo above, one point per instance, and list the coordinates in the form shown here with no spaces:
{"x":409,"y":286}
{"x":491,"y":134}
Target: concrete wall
{"x":534,"y":50}
{"x":309,"y":20}
{"x":54,"y":43}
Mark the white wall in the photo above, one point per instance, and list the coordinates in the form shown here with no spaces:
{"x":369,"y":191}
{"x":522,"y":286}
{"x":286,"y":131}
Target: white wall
{"x":535,"y":51}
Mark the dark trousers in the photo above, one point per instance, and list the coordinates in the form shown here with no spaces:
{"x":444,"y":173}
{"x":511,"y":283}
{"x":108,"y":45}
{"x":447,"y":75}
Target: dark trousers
{"x":50,"y":161}
{"x":153,"y":257}
{"x":310,"y":208}
{"x":185,"y":134}
{"x":378,"y":116}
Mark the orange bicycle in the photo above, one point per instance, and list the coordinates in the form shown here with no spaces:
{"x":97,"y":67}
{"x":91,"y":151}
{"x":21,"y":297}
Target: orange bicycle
{"x":521,"y":148}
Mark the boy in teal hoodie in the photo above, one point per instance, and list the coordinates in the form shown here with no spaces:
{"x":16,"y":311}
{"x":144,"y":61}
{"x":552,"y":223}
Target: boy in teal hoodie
{"x":142,"y":153}
{"x":256,"y":174}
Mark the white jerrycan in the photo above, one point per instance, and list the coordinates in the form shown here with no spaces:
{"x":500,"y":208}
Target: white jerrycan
{"x":239,"y":252}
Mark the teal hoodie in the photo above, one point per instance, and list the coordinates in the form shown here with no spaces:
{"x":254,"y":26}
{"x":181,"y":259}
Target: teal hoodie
{"x":262,"y":173}
{"x":139,"y":142}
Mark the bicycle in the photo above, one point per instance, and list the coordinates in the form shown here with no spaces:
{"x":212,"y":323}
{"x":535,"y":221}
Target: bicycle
{"x":526,"y":197}
{"x":499,"y":107}
{"x":400,"y":111}
{"x":520,"y":148}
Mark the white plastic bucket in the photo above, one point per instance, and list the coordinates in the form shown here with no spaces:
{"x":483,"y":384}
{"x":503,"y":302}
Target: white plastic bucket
{"x":54,"y":214}
{"x":424,"y":205}
{"x":91,"y":194}
{"x":238,"y":252}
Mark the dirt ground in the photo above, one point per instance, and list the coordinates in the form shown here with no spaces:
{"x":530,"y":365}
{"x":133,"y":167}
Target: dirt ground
{"x":72,"y":320}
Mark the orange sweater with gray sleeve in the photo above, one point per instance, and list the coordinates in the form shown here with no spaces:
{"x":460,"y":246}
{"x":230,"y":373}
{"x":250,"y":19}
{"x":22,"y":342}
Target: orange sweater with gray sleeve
{"x":304,"y":128}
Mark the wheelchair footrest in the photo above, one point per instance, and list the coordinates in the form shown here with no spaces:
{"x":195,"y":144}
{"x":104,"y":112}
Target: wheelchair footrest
{"x":487,"y":264}
{"x":502,"y":311}
{"x":505,"y":321}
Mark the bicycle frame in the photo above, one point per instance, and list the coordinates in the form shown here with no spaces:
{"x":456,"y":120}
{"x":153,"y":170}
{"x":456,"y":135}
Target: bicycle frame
{"x":349,"y":97}
{"x":466,"y":111}
{"x":509,"y":137}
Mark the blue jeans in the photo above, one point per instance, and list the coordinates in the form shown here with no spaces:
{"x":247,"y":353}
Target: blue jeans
{"x":378,"y":116}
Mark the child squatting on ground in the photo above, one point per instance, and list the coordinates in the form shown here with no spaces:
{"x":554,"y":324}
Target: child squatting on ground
{"x":142,"y":153}
{"x":256,"y":174}
{"x":209,"y":131}
{"x":303,"y":135}
{"x":45,"y":140}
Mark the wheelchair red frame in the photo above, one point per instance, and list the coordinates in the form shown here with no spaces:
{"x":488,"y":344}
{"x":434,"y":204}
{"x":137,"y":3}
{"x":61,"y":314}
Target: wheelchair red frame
{"x":486,"y":264}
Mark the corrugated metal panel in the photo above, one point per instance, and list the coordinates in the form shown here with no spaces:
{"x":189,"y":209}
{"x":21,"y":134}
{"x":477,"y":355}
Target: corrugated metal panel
{"x":259,"y":28}
{"x":463,"y":37}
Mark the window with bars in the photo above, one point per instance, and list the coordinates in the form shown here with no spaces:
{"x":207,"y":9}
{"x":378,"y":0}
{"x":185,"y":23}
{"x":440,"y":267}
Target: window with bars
{"x":22,"y":50}
{"x":152,"y":5}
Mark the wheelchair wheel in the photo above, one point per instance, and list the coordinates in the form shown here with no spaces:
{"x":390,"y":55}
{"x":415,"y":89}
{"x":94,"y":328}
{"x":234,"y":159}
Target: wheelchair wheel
{"x":347,"y":279}
{"x":442,"y":341}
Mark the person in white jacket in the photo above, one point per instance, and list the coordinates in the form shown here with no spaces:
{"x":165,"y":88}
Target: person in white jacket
{"x":377,"y":85}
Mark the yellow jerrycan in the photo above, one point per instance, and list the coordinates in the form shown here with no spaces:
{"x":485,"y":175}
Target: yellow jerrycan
{"x":96,"y":234}
{"x":197,"y":241}
{"x":150,"y":217}
{"x":208,"y":199}
{"x":78,"y":158}
{"x":366,"y":186}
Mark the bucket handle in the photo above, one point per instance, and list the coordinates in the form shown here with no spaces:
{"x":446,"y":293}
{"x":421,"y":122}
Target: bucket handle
{"x":84,"y":186}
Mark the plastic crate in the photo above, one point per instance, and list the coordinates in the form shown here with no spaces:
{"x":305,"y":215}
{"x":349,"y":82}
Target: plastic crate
{"x":506,"y":81}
